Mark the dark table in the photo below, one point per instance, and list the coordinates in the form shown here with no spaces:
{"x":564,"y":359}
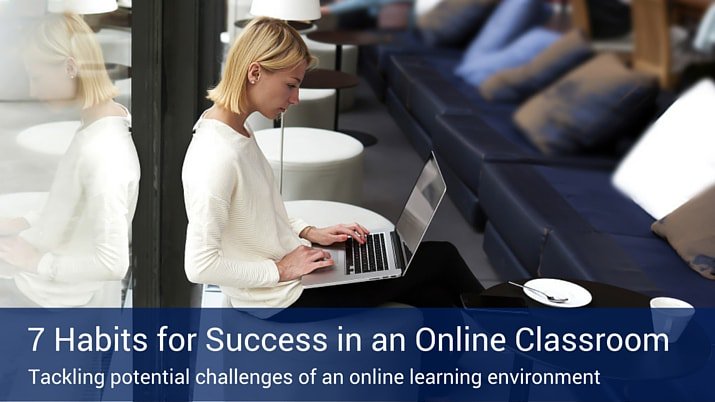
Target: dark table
{"x":685,"y":356}
{"x":604,"y":295}
{"x":118,"y":71}
{"x":321,"y":78}
{"x":357,"y":38}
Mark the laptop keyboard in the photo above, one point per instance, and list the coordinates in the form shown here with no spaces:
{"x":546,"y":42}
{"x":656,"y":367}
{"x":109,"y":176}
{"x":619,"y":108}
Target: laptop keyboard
{"x":368,"y":257}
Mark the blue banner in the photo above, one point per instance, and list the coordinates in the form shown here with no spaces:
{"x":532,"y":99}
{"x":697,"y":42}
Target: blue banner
{"x":395,"y":354}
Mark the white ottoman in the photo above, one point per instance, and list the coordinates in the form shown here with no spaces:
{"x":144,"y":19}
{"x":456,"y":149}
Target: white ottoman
{"x":317,"y":164}
{"x":49,"y":138}
{"x":328,"y":213}
{"x":316,"y":109}
{"x":325,"y":53}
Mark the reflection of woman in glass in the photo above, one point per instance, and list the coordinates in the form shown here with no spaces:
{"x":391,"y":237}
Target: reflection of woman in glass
{"x":77,"y":248}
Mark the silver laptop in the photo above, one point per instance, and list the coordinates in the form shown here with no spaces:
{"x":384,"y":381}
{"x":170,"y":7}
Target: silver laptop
{"x":386,"y":254}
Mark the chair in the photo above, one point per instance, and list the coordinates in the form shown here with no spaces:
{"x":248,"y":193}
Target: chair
{"x":652,"y":53}
{"x":659,"y":45}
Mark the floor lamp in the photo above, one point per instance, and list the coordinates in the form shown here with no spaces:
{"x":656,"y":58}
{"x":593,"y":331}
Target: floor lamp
{"x":287,"y":10}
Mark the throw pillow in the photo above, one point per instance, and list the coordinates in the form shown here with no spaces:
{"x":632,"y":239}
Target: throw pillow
{"x":454,"y":22}
{"x":588,"y":108}
{"x":518,"y":83}
{"x":510,"y":19}
{"x":690,"y":230}
{"x":674,"y":160}
{"x":517,"y":53}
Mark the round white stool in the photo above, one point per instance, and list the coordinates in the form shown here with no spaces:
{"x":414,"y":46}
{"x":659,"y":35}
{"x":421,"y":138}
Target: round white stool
{"x":315,"y":109}
{"x":317,"y":164}
{"x":328,"y":213}
{"x":49,"y":138}
{"x":325,"y":53}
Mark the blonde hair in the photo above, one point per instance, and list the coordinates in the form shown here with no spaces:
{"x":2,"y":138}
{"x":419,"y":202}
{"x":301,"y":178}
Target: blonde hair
{"x":273,"y":44}
{"x":59,"y":37}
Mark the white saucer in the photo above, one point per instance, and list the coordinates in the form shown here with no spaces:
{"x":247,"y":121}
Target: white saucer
{"x":577,"y":295}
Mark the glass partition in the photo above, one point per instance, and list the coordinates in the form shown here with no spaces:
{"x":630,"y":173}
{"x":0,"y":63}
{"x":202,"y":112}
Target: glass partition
{"x":69,"y":172}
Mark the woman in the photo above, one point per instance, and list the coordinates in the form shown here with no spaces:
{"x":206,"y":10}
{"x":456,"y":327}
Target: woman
{"x":239,"y":234}
{"x":76,"y":251}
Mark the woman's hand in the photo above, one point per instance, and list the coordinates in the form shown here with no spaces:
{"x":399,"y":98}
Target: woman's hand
{"x":18,"y":252}
{"x":303,"y":260}
{"x":12,"y":226}
{"x":335,"y":234}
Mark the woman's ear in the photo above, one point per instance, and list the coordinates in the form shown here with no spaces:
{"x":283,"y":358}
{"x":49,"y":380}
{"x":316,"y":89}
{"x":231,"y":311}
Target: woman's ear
{"x":71,"y":67}
{"x":254,"y":72}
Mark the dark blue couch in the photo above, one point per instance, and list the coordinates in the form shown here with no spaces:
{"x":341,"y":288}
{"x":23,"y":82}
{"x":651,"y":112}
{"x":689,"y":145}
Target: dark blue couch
{"x":543,"y":216}
{"x":438,"y":111}
{"x":572,"y":223}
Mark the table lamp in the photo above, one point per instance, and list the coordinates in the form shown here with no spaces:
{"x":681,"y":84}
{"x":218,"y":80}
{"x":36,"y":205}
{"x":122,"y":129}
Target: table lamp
{"x":287,"y":10}
{"x":81,"y":6}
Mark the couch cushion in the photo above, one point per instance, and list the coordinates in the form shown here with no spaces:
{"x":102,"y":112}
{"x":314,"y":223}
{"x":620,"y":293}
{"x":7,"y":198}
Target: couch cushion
{"x":662,"y":265}
{"x":524,"y":209}
{"x":470,"y":142}
{"x":690,"y":230}
{"x":408,"y":42}
{"x":477,"y":67}
{"x":518,"y":83}
{"x":647,"y":265}
{"x":588,"y":108}
{"x":590,"y":193}
{"x":509,"y":20}
{"x":404,"y":71}
{"x":674,"y":160}
{"x":571,"y":223}
{"x":454,"y":22}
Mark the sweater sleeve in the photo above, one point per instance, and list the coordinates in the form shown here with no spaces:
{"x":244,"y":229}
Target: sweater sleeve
{"x":206,"y":192}
{"x":108,"y":258}
{"x":297,"y":225}
{"x":108,"y":191}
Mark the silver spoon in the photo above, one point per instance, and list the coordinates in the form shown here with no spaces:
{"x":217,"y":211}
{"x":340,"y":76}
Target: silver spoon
{"x":547,"y":296}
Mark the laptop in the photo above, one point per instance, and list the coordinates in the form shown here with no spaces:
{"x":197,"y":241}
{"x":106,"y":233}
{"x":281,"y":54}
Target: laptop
{"x":386,"y":254}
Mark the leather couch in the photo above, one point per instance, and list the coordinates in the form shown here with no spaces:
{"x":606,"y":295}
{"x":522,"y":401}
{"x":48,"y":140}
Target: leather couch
{"x":543,"y":216}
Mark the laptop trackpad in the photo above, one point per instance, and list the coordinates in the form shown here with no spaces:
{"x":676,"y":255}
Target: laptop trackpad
{"x":327,"y":274}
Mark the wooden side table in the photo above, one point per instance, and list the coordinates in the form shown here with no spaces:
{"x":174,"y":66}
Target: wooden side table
{"x":357,"y":38}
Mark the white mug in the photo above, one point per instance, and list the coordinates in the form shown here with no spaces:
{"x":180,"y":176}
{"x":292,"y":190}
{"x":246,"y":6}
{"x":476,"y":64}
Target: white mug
{"x":670,"y":316}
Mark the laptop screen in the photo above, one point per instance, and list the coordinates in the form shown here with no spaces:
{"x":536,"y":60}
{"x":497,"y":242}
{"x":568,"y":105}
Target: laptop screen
{"x":420,"y":207}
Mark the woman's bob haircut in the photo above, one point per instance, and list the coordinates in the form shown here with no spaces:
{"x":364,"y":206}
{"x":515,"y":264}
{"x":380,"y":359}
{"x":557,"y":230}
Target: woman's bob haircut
{"x":60,"y":37}
{"x":273,"y":44}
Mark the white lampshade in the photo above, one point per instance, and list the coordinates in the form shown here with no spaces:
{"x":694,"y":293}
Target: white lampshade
{"x":81,"y":6}
{"x":288,"y":10}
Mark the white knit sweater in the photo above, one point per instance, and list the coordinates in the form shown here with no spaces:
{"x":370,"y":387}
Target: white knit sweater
{"x":83,"y":229}
{"x":238,"y":225}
